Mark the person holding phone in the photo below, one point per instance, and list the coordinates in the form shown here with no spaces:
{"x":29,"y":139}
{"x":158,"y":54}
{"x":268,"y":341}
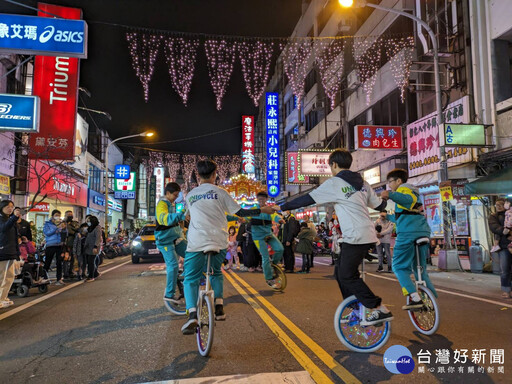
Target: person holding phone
{"x":53,"y":231}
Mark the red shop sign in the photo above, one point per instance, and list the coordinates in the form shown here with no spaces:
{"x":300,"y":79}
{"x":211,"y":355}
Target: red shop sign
{"x":293,"y":175}
{"x":378,"y":137}
{"x":248,"y":144}
{"x":56,"y":186}
{"x":56,"y":84}
{"x":41,"y":207}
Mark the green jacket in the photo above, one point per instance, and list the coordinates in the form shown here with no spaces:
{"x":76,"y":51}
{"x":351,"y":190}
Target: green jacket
{"x":305,"y":245}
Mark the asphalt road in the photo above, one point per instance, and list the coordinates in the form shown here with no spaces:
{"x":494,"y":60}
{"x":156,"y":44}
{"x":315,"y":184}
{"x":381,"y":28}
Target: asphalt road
{"x":116,"y":330}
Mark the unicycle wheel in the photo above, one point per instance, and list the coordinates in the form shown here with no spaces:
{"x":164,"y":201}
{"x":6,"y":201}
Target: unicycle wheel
{"x":363,"y":339}
{"x":177,"y":309}
{"x":426,"y":320}
{"x":279,"y":276}
{"x":205,"y":329}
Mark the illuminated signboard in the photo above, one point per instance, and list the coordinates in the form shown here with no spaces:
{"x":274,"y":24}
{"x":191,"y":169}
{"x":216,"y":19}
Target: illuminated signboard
{"x":125,"y":188}
{"x":471,"y":135}
{"x":314,"y":163}
{"x":293,"y":175}
{"x":378,"y":137}
{"x":372,"y":176}
{"x":248,"y":144}
{"x":122,"y":171}
{"x":272,"y":123}
{"x":19,"y":113}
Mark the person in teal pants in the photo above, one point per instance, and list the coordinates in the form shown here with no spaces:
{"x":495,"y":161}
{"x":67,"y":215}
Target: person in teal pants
{"x":169,"y":238}
{"x":261,"y":228}
{"x":411,"y":224}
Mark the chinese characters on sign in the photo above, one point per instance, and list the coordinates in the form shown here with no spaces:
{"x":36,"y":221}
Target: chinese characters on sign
{"x":248,"y":144}
{"x":293,"y":175}
{"x":314,"y":163}
{"x":378,"y":137}
{"x":423,"y":140}
{"x":461,"y":361}
{"x":463,"y":134}
{"x":125,"y":188}
{"x":152,"y":197}
{"x":272,"y":123}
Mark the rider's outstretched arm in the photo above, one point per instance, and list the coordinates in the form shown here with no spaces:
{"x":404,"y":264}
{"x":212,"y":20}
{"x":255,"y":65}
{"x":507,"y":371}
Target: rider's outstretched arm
{"x":248,"y":212}
{"x":299,"y":202}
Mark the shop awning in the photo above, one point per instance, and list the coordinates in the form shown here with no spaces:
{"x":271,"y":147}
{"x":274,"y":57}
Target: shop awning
{"x":498,"y":183}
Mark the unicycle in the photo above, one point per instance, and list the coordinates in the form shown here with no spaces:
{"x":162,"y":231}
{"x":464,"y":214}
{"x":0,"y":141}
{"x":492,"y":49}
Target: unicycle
{"x":426,"y":320}
{"x":177,"y":309}
{"x":279,"y":276}
{"x":352,"y":334}
{"x":206,"y":312}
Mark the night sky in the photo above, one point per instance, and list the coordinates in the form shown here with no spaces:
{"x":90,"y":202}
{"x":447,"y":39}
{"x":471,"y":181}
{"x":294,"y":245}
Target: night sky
{"x":109,"y":76}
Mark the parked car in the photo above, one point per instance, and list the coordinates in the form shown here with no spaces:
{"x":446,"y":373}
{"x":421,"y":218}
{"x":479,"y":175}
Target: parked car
{"x":144,"y":246}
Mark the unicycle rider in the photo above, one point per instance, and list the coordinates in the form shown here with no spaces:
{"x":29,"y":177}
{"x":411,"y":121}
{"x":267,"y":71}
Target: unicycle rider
{"x":351,"y":196}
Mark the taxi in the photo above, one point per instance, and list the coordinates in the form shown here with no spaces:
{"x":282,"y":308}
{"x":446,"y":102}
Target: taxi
{"x":144,"y":245}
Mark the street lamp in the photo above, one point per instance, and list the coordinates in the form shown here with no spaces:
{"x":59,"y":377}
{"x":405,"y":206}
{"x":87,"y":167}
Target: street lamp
{"x":443,"y":172}
{"x":143,"y":134}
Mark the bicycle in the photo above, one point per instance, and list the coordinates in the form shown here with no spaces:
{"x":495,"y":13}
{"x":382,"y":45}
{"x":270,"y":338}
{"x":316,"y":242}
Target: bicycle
{"x":178,"y":309}
{"x":351,"y":333}
{"x":206,"y":312}
{"x":427,"y":319}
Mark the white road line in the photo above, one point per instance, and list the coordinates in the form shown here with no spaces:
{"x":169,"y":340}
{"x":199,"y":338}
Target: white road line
{"x":49,"y":296}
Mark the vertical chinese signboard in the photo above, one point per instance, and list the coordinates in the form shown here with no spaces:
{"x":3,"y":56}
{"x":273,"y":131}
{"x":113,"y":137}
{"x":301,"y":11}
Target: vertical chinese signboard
{"x":293,"y":175}
{"x":248,"y":144}
{"x":152,"y":197}
{"x":378,"y":137}
{"x":272,"y":123}
{"x":56,"y":84}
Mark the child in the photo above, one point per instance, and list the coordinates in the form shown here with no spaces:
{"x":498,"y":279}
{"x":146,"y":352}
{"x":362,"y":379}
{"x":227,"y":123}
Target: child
{"x":305,"y":246}
{"x":27,"y":251}
{"x":411,"y":224}
{"x":232,"y":249}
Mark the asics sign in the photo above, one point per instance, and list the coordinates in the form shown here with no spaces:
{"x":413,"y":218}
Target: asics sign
{"x":19,"y":113}
{"x":45,"y":36}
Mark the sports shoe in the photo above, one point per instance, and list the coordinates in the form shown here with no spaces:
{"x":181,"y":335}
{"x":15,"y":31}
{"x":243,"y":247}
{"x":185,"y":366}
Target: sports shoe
{"x":377,"y":317}
{"x":90,"y":280}
{"x":172,"y":300}
{"x":413,"y":305}
{"x":61,"y":282}
{"x":380,"y":269}
{"x":6,"y":303}
{"x":189,"y":328}
{"x":506,"y":295}
{"x":219,"y":312}
{"x":390,"y":270}
{"x":274,"y":284}
{"x":259,"y":269}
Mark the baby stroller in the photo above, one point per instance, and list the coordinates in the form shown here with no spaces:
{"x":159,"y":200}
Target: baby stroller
{"x":32,"y":275}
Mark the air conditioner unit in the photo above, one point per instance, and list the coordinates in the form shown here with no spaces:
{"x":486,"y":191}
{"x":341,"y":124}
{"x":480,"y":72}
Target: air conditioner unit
{"x":352,"y":80}
{"x":294,"y":137}
{"x":302,"y":130}
{"x":318,"y":106}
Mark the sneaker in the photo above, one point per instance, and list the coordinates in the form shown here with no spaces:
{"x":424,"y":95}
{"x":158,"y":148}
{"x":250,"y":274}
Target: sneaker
{"x":413,"y":305}
{"x":90,"y":280}
{"x":380,"y":269}
{"x":60,"y":282}
{"x":377,"y":317}
{"x":251,"y":269}
{"x":274,"y":284}
{"x":259,"y":269}
{"x":243,"y":268}
{"x":390,"y":270}
{"x":189,"y":328}
{"x":219,"y":312}
{"x":6,"y":303}
{"x":506,"y":295}
{"x":172,"y":300}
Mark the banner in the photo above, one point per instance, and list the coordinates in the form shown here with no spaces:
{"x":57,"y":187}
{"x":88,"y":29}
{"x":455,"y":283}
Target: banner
{"x":434,"y":213}
{"x":293,"y":175}
{"x":56,"y":84}
{"x":248,"y":144}
{"x":378,"y":137}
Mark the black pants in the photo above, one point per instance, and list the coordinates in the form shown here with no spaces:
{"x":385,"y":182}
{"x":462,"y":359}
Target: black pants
{"x":306,"y":262}
{"x":91,"y":266}
{"x":289,"y":257}
{"x":50,"y":252}
{"x":349,"y":279}
{"x":253,"y":256}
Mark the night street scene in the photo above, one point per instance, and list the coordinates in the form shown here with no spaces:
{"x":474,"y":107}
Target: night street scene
{"x":267,"y":191}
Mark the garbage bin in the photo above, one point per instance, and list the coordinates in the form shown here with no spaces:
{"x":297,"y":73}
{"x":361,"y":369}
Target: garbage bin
{"x":476,"y":260}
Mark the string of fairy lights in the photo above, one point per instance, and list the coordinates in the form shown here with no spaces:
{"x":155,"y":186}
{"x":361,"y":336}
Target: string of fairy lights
{"x":256,"y":54}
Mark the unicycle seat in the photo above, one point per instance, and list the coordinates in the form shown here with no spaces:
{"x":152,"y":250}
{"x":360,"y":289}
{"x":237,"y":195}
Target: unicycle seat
{"x":422,"y":241}
{"x":211,"y":250}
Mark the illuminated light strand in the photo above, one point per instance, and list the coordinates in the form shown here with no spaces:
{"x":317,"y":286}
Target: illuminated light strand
{"x":330,"y":60}
{"x":173,"y":165}
{"x":220,"y":59}
{"x":400,"y":53}
{"x":296,"y":59}
{"x":181,"y":57}
{"x":367,"y":54}
{"x":143,"y":49}
{"x":189,"y":165}
{"x":255,"y":58}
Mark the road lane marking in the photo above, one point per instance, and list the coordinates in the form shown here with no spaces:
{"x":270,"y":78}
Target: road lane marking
{"x":299,"y":355}
{"x":450,"y":292}
{"x":50,"y":295}
{"x":327,"y":359}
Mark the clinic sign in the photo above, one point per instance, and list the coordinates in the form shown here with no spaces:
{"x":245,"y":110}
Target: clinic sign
{"x":470,"y":135}
{"x":378,"y":137}
{"x":272,"y":124}
{"x":248,"y":144}
{"x":19,"y":113}
{"x":314,"y":163}
{"x":293,"y":175}
{"x":47,"y":36}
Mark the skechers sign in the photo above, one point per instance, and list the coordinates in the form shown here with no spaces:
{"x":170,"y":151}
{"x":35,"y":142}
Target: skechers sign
{"x":46,"y":36}
{"x":19,"y":113}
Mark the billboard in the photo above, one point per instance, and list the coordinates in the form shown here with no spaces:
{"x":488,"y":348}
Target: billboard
{"x":314,"y":163}
{"x":56,"y":84}
{"x":471,"y":135}
{"x":293,"y":175}
{"x":19,"y":113}
{"x":248,"y":144}
{"x":272,"y":124}
{"x":378,"y":137}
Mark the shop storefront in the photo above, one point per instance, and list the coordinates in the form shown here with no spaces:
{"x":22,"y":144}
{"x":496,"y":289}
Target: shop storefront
{"x":96,"y":207}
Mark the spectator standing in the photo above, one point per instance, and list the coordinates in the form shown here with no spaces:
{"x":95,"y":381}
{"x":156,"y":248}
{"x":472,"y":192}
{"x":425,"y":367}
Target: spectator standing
{"x":72,"y":227}
{"x":78,"y":250}
{"x":9,"y":250}
{"x":497,"y":226}
{"x":305,"y":246}
{"x":54,"y":230}
{"x":92,"y":246}
{"x":290,"y":231}
{"x":384,"y":236}
{"x":241,"y":238}
{"x":23,"y":225}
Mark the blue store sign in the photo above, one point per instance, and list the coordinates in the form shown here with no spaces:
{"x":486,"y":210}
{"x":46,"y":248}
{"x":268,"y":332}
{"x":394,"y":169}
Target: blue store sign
{"x":19,"y":113}
{"x":122,"y":171}
{"x":97,"y":202}
{"x":43,"y":36}
{"x":273,"y":166}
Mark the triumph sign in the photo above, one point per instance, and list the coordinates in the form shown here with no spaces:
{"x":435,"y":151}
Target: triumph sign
{"x":47,"y":36}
